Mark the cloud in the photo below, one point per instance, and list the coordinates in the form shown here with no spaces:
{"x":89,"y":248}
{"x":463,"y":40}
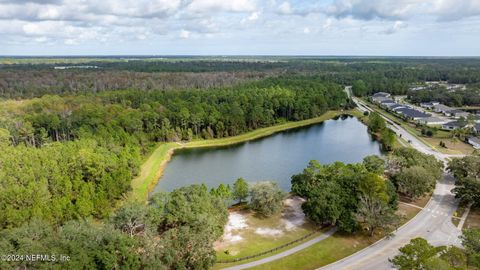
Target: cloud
{"x":184,"y":34}
{"x":395,"y":28}
{"x":285,"y":8}
{"x":403,"y":9}
{"x":254,"y":16}
{"x":209,"y":6}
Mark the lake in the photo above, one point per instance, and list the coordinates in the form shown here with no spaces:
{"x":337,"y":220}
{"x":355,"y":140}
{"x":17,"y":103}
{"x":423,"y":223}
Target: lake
{"x":276,"y":157}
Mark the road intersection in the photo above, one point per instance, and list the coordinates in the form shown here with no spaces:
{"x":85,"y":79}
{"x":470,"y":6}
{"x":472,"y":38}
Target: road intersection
{"x":433,"y":222}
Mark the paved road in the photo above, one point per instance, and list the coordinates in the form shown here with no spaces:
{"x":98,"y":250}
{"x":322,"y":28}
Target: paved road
{"x":285,"y":253}
{"x":432,"y":223}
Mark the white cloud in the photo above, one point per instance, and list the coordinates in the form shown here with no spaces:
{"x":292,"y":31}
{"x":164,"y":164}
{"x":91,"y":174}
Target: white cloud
{"x":202,"y":6}
{"x":184,"y":34}
{"x":306,"y":30}
{"x":404,"y":9}
{"x":395,"y":27}
{"x":254,"y":16}
{"x":285,"y":8}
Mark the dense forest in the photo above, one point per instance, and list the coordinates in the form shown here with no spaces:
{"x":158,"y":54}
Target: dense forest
{"x":67,"y":161}
{"x":457,"y":98}
{"x":72,"y":140}
{"x":368,"y":75}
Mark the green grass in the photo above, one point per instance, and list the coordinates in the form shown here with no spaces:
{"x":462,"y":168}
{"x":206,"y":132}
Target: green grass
{"x":254,"y":243}
{"x":152,"y":168}
{"x":226,"y":265}
{"x":338,"y":246}
{"x":332,"y":249}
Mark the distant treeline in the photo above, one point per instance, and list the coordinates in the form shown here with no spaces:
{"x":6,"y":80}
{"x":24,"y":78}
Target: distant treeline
{"x":370,"y":75}
{"x":456,"y":98}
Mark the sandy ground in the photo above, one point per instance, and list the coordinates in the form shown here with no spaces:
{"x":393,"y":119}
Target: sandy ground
{"x":238,"y":223}
{"x":293,"y":216}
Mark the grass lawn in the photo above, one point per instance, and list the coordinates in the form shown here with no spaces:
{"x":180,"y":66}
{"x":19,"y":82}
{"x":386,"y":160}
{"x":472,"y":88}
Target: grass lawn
{"x":337,"y":246}
{"x":152,"y":169}
{"x":255,"y":243}
{"x":473,"y":219}
{"x":332,"y":249}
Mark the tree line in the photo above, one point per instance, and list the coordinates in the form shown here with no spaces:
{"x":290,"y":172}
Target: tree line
{"x":456,"y":98}
{"x":367,"y":75}
{"x":364,"y":195}
{"x":169,"y":115}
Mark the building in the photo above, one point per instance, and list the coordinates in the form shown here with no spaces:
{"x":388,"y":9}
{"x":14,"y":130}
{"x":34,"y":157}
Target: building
{"x":381,"y":94}
{"x":453,"y":125}
{"x":459,"y":113}
{"x":418,"y":88}
{"x":476,"y":127}
{"x":395,"y":106}
{"x":475,"y":142}
{"x":412,"y":114}
{"x":440,"y":108}
{"x":387,"y":102}
{"x":429,"y":105}
{"x":432,"y":121}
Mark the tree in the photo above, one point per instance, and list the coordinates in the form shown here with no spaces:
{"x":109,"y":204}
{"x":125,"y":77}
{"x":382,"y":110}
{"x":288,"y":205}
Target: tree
{"x":467,"y":172}
{"x":359,"y":88}
{"x":388,"y":139}
{"x":240,"y":190}
{"x":374,"y":164}
{"x":419,"y":255}
{"x":266,"y":198}
{"x":415,"y":255}
{"x":414,"y":182}
{"x":374,"y":210}
{"x":471,"y":242}
{"x":131,"y":218}
{"x":376,"y":123}
{"x":224,"y":192}
{"x":454,"y":257}
{"x":331,"y":193}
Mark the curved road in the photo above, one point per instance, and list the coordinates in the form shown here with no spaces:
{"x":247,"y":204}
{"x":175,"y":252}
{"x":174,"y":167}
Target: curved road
{"x":432,"y":223}
{"x":284,"y":253}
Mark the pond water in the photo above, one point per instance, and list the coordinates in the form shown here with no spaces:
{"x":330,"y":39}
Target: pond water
{"x":276,"y":157}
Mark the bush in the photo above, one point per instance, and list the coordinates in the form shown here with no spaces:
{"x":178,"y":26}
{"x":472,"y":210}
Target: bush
{"x":266,"y":198}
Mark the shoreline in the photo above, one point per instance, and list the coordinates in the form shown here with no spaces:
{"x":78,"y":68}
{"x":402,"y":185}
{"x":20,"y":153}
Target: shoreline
{"x":153,"y":167}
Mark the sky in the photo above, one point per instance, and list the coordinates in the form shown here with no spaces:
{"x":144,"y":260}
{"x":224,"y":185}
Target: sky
{"x":240,"y":27}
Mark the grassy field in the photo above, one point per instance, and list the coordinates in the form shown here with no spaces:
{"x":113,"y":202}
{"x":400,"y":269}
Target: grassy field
{"x":337,"y":246}
{"x":152,"y":168}
{"x":334,"y":248}
{"x":255,"y":243}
